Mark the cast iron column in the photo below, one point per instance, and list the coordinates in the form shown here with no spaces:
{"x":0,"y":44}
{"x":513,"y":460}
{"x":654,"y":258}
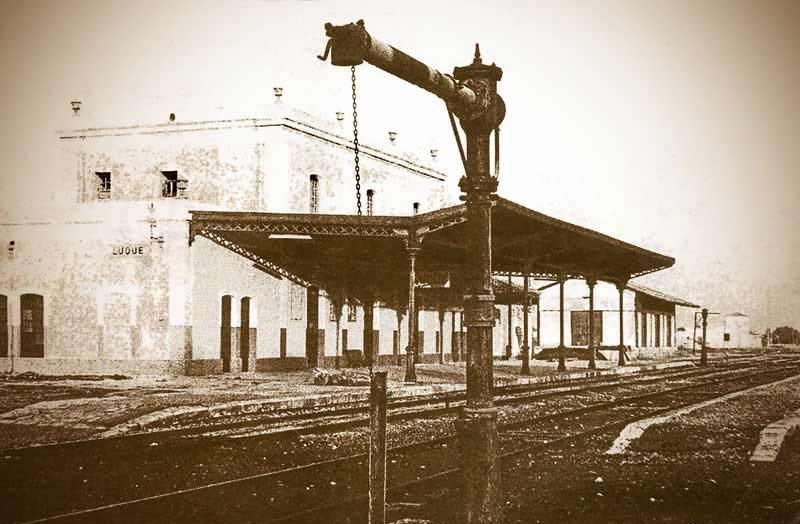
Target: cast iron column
{"x":338,"y":306}
{"x":538,"y":320}
{"x":399,"y":318}
{"x":411,"y":371}
{"x":441,"y":334}
{"x":562,"y":350}
{"x":621,"y":287}
{"x":591,"y":282}
{"x":369,"y":324}
{"x":462,"y":337}
{"x":526,"y":365}
{"x":509,"y":345}
{"x":703,"y":350}
{"x":453,"y":351}
{"x":478,"y":421}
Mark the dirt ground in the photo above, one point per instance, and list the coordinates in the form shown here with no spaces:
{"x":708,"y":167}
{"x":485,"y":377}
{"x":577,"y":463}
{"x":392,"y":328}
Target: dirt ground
{"x":695,"y":469}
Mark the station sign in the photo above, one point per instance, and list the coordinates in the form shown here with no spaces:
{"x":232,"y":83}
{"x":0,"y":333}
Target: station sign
{"x":129,"y":250}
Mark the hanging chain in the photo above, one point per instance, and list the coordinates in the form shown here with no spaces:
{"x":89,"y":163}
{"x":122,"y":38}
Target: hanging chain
{"x":355,"y":141}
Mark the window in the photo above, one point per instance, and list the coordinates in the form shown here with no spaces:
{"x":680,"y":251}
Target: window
{"x":727,"y":337}
{"x":103,"y":184}
{"x":169,"y":184}
{"x":370,"y":202}
{"x":313,"y":196}
{"x":416,"y":207}
{"x":331,"y":311}
{"x":351,"y":312}
{"x":27,"y":321}
{"x":296,"y":302}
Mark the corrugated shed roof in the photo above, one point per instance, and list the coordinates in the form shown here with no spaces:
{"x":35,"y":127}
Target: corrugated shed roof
{"x":659,"y":295}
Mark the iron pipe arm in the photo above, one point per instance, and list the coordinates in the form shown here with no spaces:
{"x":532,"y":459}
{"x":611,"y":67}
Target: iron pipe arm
{"x":351,"y":45}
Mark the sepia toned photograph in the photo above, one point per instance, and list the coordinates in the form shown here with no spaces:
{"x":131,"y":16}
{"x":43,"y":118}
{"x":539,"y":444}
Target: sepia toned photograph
{"x":339,"y":262}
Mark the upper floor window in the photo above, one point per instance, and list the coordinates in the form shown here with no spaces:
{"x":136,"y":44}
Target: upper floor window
{"x":370,"y":201}
{"x":103,"y":184}
{"x":169,"y":184}
{"x":313,"y":195}
{"x":416,"y":207}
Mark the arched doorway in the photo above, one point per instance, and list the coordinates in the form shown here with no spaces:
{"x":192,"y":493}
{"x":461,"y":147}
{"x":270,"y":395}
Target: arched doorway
{"x":32,"y":325}
{"x":3,"y":326}
{"x":244,"y":335}
{"x":225,"y":334}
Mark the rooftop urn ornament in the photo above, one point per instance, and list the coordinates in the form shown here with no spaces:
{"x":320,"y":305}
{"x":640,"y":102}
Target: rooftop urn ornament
{"x":339,"y":116}
{"x":434,"y":153}
{"x":278,"y":92}
{"x":76,"y":107}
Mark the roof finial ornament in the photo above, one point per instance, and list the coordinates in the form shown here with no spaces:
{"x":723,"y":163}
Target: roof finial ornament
{"x":477,"y":59}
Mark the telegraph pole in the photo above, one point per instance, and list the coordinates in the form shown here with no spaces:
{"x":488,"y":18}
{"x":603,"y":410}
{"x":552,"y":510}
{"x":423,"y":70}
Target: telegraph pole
{"x":471,"y":94}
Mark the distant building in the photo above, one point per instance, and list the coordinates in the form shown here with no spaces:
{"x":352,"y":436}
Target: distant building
{"x":648,"y":316}
{"x":736,"y":331}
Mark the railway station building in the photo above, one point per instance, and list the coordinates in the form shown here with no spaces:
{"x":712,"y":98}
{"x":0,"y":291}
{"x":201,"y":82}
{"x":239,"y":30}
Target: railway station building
{"x":196,"y":247}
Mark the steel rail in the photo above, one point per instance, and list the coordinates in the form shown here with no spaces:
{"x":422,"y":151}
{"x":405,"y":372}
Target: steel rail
{"x":513,"y":393}
{"x":425,"y":445}
{"x":438,"y":476}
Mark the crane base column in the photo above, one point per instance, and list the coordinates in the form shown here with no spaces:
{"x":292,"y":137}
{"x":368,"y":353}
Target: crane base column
{"x":477,"y":432}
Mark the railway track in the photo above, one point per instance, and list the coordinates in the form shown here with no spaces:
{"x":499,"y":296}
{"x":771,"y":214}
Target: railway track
{"x":530,"y":436}
{"x":352,"y":415}
{"x":338,"y":484}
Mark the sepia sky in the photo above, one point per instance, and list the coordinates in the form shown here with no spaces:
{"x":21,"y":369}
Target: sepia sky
{"x":673,"y":124}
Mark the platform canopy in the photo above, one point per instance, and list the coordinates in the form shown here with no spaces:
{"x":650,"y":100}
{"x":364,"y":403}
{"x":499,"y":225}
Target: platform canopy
{"x":370,"y":253}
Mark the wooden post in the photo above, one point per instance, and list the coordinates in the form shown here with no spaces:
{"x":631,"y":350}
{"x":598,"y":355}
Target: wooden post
{"x":377,"y":449}
{"x":703,"y":348}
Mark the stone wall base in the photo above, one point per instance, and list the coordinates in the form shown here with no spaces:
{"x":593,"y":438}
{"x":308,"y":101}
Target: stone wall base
{"x":281,"y":364}
{"x":208,"y":366}
{"x":69,"y":366}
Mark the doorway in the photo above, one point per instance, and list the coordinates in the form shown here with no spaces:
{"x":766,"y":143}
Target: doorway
{"x":32,"y":326}
{"x":3,"y":326}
